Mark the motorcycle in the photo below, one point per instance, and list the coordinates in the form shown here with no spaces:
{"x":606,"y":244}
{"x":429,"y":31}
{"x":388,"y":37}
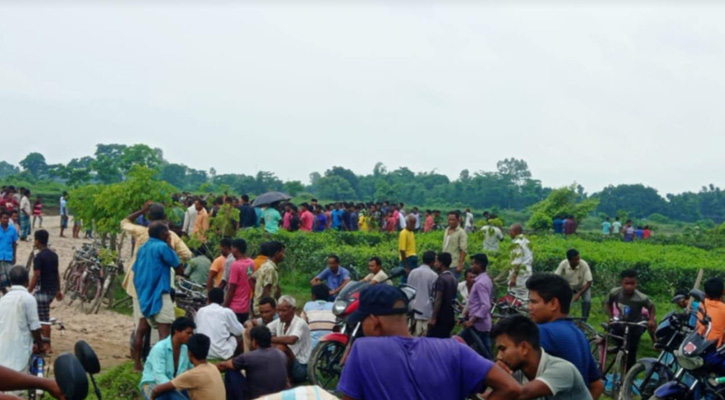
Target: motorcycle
{"x":328,"y":357}
{"x":73,"y":370}
{"x":700,"y":362}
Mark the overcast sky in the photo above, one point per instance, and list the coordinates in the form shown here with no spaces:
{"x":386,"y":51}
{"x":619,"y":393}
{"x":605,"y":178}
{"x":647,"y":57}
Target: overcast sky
{"x":597,"y":94}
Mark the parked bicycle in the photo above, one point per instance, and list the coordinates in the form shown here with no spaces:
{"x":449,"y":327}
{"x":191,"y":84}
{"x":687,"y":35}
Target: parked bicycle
{"x":613,"y":373}
{"x":189,"y":296}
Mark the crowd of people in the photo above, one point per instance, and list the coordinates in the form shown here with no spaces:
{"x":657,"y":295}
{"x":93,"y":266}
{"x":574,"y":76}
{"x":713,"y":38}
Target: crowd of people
{"x":254,"y":332}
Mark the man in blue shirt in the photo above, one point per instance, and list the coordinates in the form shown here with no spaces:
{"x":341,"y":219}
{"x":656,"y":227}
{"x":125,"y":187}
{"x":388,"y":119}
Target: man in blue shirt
{"x":388,"y":363}
{"x":334,"y":275}
{"x":337,"y":215}
{"x":152,"y":279}
{"x":169,"y":352}
{"x":549,"y":302}
{"x":8,"y":249}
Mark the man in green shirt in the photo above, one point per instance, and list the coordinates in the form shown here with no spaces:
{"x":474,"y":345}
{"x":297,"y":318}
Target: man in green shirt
{"x":271,"y":219}
{"x":455,"y":242}
{"x":197,"y":269}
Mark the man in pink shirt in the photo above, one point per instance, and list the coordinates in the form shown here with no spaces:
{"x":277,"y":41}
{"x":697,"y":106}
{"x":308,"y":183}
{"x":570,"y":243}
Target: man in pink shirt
{"x":306,"y":218}
{"x":428,"y":221}
{"x":239,"y":290}
{"x":286,"y":217}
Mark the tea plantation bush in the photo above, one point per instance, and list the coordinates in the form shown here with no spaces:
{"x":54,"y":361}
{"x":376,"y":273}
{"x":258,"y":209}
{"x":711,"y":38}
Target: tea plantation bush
{"x":662,"y":267}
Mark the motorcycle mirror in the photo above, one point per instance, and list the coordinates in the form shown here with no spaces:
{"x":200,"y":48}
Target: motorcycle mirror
{"x":87,"y":357}
{"x":397,"y":272}
{"x":697,"y":295}
{"x":71,"y":377}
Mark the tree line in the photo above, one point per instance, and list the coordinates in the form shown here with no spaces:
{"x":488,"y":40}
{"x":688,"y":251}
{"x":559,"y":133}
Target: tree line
{"x":510,"y":187}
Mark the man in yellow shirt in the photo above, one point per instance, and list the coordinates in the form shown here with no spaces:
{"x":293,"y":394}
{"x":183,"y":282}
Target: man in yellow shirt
{"x":406,"y":245}
{"x":201,"y":224}
{"x":155,"y":212}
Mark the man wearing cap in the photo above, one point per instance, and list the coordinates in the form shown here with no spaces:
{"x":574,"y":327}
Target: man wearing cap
{"x":388,"y":363}
{"x":154,"y":212}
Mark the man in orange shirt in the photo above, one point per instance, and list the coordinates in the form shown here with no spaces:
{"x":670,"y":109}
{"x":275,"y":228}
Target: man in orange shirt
{"x":714,"y":289}
{"x":201,"y":224}
{"x":216,"y":271}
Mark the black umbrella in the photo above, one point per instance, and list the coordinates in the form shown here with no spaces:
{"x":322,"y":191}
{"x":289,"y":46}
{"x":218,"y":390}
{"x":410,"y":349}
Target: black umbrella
{"x":269,"y":198}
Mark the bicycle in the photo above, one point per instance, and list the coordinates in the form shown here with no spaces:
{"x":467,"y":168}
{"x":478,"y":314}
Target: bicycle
{"x":39,"y":366}
{"x":189,"y":296}
{"x":618,"y":366}
{"x":108,"y":274}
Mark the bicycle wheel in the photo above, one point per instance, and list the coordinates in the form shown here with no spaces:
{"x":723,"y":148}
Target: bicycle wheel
{"x":72,"y":282}
{"x":639,"y":383}
{"x":324,"y":367}
{"x":92,"y":288}
{"x":593,"y":337}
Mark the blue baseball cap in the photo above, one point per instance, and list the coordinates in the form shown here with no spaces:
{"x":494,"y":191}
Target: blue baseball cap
{"x":379,"y":299}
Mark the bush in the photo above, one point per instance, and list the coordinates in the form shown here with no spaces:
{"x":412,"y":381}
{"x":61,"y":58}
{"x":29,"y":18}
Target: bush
{"x":662,"y":267}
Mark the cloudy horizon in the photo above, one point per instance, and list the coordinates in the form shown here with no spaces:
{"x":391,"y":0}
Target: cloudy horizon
{"x":595,"y":94}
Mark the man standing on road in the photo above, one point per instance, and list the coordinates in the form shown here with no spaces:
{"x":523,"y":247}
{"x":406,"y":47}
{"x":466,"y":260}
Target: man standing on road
{"x":8,"y":249}
{"x":25,"y":212}
{"x":63,"y":213}
{"x":335,"y":276}
{"x":389,"y":364}
{"x":443,"y":319}
{"x":406,"y":246}
{"x":576,"y":271}
{"x":46,"y":279}
{"x":455,"y":243}
{"x":423,"y":279}
{"x":155,"y":212}
{"x":549,"y":300}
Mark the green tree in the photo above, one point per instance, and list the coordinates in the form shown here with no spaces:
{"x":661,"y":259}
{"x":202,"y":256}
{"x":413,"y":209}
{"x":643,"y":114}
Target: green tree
{"x":335,"y":188}
{"x":35,"y":164}
{"x":175,"y":174}
{"x":7,"y":169}
{"x":107,"y":163}
{"x":140,"y":154}
{"x":293,"y":187}
{"x":560,"y":202}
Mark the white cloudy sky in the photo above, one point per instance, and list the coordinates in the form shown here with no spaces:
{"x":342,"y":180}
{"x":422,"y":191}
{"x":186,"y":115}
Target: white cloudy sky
{"x":598,"y":93}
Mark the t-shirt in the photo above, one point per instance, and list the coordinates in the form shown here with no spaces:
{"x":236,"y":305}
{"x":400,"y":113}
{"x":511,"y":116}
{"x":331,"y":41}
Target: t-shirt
{"x":423,"y":279}
{"x":152,"y":274}
{"x":321,"y":223}
{"x":578,"y":277}
{"x":448,"y":285}
{"x":203,"y":382}
{"x":561,"y":338}
{"x":560,"y":376}
{"x":320,"y":319}
{"x":294,"y":223}
{"x":247,"y":216}
{"x":333,"y":280}
{"x":616,"y":227}
{"x":299,"y":328}
{"x":606,"y":228}
{"x":630,"y":307}
{"x":218,"y":267}
{"x":46,"y":261}
{"x":629,"y":233}
{"x":266,"y":371}
{"x":380,"y":277}
{"x":265,"y":275}
{"x":8,"y":237}
{"x":406,"y":243}
{"x":337,"y":219}
{"x":394,"y":367}
{"x":271,"y":219}
{"x":239,"y":276}
{"x":716,"y":311}
{"x":454,"y":243}
{"x":306,"y":221}
{"x":198,"y":269}
{"x":492,"y":237}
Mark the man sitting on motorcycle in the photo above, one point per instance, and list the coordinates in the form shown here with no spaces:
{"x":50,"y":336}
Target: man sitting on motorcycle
{"x":549,"y":304}
{"x":335,"y":276}
{"x":388,"y":363}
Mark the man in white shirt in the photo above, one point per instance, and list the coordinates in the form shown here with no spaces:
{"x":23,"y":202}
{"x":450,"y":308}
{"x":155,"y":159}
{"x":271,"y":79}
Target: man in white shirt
{"x":376,"y":275}
{"x":189,"y":219}
{"x":522,"y":260}
{"x":577,"y":272}
{"x":468,"y":222}
{"x":423,"y":279}
{"x":25,"y":212}
{"x":221,"y":325}
{"x":19,"y":322}
{"x":492,"y":236}
{"x":291,"y":334}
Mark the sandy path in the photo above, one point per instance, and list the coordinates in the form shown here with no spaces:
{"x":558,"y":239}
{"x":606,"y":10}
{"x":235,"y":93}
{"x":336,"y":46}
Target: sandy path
{"x":107,"y":332}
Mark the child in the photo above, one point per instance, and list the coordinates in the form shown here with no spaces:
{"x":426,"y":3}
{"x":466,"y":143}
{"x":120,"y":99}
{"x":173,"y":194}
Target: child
{"x":629,"y":302}
{"x":47,"y":281}
{"x":38,"y":212}
{"x":14,"y":220}
{"x":203,"y":382}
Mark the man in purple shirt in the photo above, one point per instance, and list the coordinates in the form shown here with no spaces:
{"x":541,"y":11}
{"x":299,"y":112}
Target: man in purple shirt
{"x":388,"y":363}
{"x":479,"y":305}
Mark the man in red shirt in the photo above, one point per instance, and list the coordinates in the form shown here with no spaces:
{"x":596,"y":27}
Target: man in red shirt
{"x":306,"y":218}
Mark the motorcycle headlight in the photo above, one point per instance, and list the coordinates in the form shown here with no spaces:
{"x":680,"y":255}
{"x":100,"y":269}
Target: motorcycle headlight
{"x":689,"y":363}
{"x":339,"y":308}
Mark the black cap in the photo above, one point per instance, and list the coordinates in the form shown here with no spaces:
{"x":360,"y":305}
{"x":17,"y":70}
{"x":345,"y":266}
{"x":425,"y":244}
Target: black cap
{"x":379,"y":299}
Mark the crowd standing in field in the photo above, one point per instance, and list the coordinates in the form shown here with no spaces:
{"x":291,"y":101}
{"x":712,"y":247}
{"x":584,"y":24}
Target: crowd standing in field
{"x":250,"y":324}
